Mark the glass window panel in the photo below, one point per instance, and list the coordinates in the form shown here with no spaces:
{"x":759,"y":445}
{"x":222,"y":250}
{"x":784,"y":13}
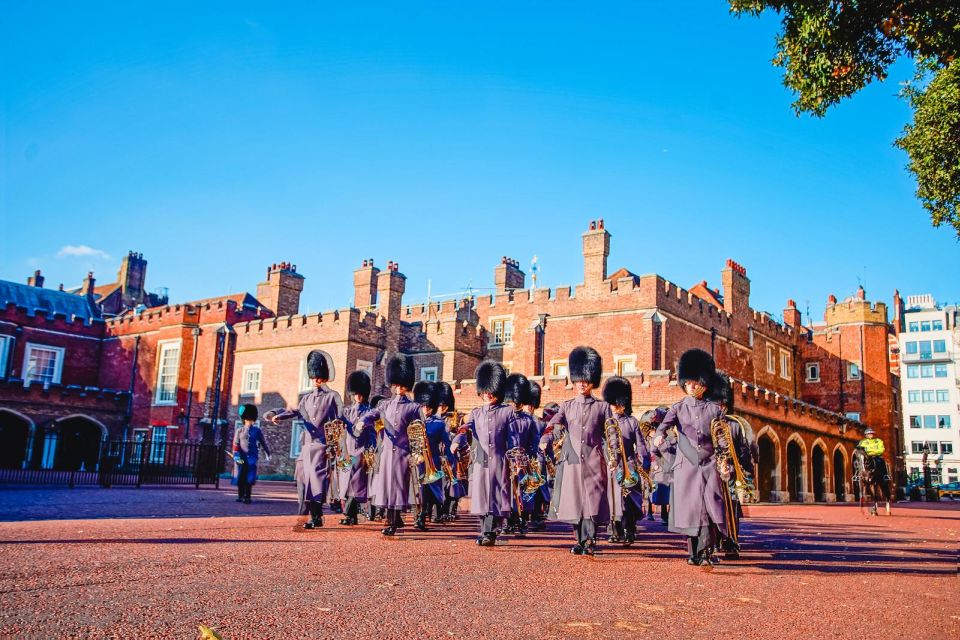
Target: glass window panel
{"x":941,"y":370}
{"x":929,"y":422}
{"x":915,"y":422}
{"x":913,"y":371}
{"x":939,"y":346}
{"x":912,"y":347}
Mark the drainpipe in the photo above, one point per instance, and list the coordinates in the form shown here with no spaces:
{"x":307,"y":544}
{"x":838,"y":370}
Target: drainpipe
{"x":133,"y":379}
{"x":193,"y":367}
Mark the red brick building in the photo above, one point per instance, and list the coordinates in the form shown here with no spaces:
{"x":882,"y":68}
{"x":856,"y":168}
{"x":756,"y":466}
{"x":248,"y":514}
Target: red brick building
{"x":807,"y":389}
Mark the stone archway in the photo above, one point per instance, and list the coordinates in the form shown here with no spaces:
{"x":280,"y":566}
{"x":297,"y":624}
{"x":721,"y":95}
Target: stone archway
{"x":840,"y":474}
{"x":796,"y":476}
{"x":818,"y":465}
{"x":768,"y":466}
{"x":78,"y":442}
{"x":16,"y":431}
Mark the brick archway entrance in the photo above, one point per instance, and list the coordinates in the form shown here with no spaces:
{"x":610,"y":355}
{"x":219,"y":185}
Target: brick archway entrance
{"x":766,"y":467}
{"x":839,"y":475}
{"x":818,"y":462}
{"x":15,"y":431}
{"x":794,"y":471}
{"x":78,"y":441}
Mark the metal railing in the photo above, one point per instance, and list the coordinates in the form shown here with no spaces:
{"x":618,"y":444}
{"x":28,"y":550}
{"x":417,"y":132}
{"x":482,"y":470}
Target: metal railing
{"x":55,"y":460}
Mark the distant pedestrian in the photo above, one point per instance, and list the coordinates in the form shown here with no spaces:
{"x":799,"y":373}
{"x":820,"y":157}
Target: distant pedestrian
{"x":247,"y":442}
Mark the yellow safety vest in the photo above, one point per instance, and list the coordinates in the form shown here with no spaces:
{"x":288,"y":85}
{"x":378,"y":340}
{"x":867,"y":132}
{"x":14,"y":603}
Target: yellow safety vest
{"x":872,"y":446}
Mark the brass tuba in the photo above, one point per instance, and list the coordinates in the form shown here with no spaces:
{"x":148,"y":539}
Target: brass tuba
{"x":728,"y":463}
{"x":626,"y":474}
{"x":420,"y":452}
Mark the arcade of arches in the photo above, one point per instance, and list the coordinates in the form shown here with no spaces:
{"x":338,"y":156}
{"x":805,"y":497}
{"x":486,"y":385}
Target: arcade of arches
{"x":795,"y":470}
{"x":71,"y":443}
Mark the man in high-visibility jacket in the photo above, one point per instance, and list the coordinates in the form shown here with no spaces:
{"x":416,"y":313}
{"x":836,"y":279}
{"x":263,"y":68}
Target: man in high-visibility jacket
{"x":874,"y":448}
{"x":871,"y":444}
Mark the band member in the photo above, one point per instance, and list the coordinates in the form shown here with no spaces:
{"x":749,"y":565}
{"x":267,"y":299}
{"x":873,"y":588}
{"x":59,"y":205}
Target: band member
{"x":375,"y":513}
{"x":437,"y":447}
{"x":358,"y":436}
{"x":580,"y":490}
{"x":517,"y":395}
{"x":455,"y":485}
{"x":542,"y":497}
{"x":391,"y":483}
{"x":697,"y":505}
{"x":247,"y":442}
{"x":315,"y":410}
{"x":661,"y":465}
{"x":626,"y":494}
{"x":492,"y":431}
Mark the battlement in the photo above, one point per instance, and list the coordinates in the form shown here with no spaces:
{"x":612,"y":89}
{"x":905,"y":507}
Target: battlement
{"x":855,"y":309}
{"x":52,"y":320}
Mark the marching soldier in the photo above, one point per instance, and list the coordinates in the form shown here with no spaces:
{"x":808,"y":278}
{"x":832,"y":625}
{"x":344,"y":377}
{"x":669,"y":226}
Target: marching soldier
{"x":454,"y":487}
{"x":542,"y":497}
{"x":375,"y":513}
{"x":357,"y":437}
{"x":696,"y":506}
{"x":580,"y":490}
{"x":391,"y":483}
{"x":661,"y":465}
{"x":436,"y":446}
{"x":247,"y":442}
{"x":626,"y":501}
{"x":517,"y":395}
{"x":315,"y":410}
{"x":493,"y":434}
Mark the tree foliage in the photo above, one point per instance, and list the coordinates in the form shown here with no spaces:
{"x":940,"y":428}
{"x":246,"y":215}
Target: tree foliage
{"x":831,"y":49}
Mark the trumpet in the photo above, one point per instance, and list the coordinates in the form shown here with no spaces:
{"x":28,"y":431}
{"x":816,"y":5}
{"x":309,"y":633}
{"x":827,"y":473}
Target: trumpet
{"x":728,"y":464}
{"x":626,"y":474}
{"x":420,"y":452}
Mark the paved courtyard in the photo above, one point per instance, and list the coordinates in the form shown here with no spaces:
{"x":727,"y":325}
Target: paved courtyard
{"x":157,"y":562}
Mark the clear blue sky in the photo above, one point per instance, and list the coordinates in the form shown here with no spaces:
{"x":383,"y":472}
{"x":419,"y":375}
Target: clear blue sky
{"x":216,"y":138}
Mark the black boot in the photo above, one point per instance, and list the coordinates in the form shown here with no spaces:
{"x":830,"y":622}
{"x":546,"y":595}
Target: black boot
{"x":693,"y":555}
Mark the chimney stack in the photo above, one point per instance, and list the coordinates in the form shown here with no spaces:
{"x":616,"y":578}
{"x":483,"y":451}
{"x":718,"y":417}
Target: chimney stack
{"x":596,"y":249}
{"x":507,"y":276}
{"x":791,"y":315}
{"x":736,"y":288}
{"x":89,"y":284}
{"x":36,"y":280}
{"x":281,"y":291}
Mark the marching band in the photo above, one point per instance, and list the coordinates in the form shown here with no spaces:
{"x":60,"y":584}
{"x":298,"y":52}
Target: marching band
{"x":587,"y":462}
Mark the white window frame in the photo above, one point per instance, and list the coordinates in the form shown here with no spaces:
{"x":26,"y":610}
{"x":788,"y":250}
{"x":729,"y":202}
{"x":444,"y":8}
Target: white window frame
{"x":296,"y":430}
{"x":853,"y":371}
{"x":28,"y":350}
{"x":429,"y":373}
{"x":809,"y":367}
{"x":162,"y":347}
{"x":771,"y":359}
{"x":559,"y":369}
{"x":786,"y":364}
{"x":249,"y":369}
{"x":158,"y":446}
{"x":625,"y":359}
{"x":502,"y":322}
{"x":6,"y":348}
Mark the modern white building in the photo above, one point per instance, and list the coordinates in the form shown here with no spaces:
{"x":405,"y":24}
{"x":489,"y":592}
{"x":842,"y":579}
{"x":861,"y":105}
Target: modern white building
{"x":929,"y":343}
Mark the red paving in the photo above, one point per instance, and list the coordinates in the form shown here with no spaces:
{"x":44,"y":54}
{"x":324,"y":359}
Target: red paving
{"x":808,"y":572}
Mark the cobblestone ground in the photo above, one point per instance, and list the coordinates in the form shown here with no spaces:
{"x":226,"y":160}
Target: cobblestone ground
{"x":157,"y":562}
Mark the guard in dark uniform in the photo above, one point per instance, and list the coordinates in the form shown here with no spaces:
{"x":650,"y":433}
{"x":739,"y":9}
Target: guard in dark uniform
{"x":517,"y":395}
{"x":626,"y":502}
{"x":437,"y":446}
{"x":542,"y":497}
{"x":247,"y":442}
{"x":358,"y":436}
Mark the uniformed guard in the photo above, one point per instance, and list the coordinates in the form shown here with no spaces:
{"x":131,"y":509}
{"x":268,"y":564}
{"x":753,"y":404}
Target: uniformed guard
{"x":375,"y":513}
{"x":580,"y":490}
{"x":391,"y":483}
{"x":437,"y":447}
{"x":247,"y":442}
{"x":542,"y":497}
{"x":358,"y":437}
{"x":517,"y":395}
{"x":493,"y":435}
{"x":697,"y":505}
{"x":661,"y":464}
{"x":315,"y":409}
{"x":626,"y":487}
{"x":454,"y":486}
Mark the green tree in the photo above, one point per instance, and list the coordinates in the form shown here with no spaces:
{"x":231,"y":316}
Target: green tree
{"x":830,"y":49}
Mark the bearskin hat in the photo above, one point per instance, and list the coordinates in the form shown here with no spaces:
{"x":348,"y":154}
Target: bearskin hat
{"x":358,"y":383}
{"x":696,"y":365}
{"x":248,"y":412}
{"x":549,"y":411}
{"x":447,"y":398}
{"x":617,"y":391}
{"x":517,"y":389}
{"x":400,"y":371}
{"x":317,"y":366}
{"x":375,"y":400}
{"x":534,"y":395}
{"x":585,"y":365}
{"x":720,"y":392}
{"x":491,"y":378}
{"x":426,"y":393}
{"x":654,"y":416}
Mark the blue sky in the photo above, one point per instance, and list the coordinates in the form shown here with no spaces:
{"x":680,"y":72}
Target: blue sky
{"x":218,"y":138}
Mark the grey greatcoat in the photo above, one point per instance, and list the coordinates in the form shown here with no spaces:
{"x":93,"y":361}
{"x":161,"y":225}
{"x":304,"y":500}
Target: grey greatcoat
{"x":358,"y":435}
{"x":313,"y":466}
{"x":697,"y":498}
{"x":391,"y":482}
{"x":637,"y":452}
{"x":494,"y":432}
{"x":580,"y":489}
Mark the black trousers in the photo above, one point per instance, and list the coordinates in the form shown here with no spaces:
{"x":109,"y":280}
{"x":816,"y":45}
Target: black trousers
{"x":631,"y":513}
{"x":428,"y":504}
{"x":489,"y":524}
{"x":393,"y":518}
{"x":243,"y":481}
{"x":352,"y":508}
{"x":316,"y":510}
{"x":585,"y":530}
